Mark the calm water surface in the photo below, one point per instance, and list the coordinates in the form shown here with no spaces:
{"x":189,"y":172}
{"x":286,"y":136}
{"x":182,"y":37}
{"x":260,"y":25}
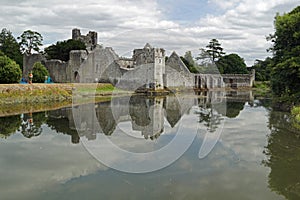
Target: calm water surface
{"x":256,"y":154}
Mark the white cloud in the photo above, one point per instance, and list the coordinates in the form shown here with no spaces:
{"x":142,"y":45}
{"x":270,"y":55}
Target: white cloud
{"x":240,"y":25}
{"x":53,"y":160}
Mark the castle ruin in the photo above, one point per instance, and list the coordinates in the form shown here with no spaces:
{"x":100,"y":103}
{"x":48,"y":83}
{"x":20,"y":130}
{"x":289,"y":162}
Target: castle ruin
{"x":146,"y":69}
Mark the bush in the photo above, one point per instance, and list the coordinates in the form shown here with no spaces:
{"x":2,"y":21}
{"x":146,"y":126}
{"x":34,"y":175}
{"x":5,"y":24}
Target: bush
{"x":39,"y":72}
{"x":10,"y":71}
{"x":296,"y":116}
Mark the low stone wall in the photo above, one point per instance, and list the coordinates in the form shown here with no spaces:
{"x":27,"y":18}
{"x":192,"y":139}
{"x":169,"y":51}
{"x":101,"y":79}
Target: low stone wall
{"x":238,"y":80}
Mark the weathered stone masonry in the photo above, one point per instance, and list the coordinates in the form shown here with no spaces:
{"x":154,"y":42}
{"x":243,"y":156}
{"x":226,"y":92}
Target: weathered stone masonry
{"x":147,"y":68}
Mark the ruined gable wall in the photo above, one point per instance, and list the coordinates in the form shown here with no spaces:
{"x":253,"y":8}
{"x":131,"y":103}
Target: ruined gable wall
{"x":139,"y":77}
{"x":28,"y":62}
{"x":176,"y":63}
{"x":57,"y":70}
{"x":174,"y":78}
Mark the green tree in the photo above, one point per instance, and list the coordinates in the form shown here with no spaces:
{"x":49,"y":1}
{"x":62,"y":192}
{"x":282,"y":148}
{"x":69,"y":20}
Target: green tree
{"x":61,"y":49}
{"x":232,"y":64}
{"x":189,"y":62}
{"x":189,"y":57}
{"x":39,"y":72}
{"x":10,"y":47}
{"x":263,"y":69}
{"x":30,"y":41}
{"x":10,"y":71}
{"x":214,"y":50}
{"x":285,"y":79}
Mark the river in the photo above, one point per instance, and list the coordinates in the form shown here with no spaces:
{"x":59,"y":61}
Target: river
{"x":212,"y":145}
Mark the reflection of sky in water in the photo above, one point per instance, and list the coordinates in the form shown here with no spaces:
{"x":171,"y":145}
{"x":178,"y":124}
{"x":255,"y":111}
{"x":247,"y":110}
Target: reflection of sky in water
{"x":50,"y":167}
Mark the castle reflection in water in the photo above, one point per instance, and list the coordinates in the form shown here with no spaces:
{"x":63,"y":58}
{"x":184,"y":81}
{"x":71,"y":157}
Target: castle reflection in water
{"x":148,"y":115}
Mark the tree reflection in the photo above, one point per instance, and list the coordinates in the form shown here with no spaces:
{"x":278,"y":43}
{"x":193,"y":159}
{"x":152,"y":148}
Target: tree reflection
{"x":283,"y":151}
{"x":9,"y":125}
{"x":61,"y":125}
{"x":209,"y":117}
{"x":31,"y":124}
{"x":234,"y":109}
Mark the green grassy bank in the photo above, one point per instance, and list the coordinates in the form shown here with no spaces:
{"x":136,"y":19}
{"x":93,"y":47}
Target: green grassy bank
{"x":262,"y":88}
{"x":22,"y":98}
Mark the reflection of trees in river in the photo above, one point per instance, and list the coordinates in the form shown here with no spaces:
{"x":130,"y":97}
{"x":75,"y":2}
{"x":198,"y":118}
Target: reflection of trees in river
{"x":283,"y":151}
{"x":233,"y":109}
{"x":31,"y":124}
{"x":9,"y":125}
{"x":28,"y":124}
{"x":210,"y":118}
{"x":146,"y":114}
{"x":61,"y":125}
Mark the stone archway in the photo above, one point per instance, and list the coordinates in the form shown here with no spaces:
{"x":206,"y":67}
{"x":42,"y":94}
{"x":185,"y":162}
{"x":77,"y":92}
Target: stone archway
{"x":76,"y":77}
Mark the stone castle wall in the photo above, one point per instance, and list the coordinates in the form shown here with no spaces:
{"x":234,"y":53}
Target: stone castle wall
{"x":57,"y":70}
{"x":147,"y":68}
{"x":28,"y":62}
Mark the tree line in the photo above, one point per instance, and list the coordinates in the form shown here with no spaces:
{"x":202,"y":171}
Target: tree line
{"x":213,"y":56}
{"x":12,"y":50}
{"x":281,"y":70}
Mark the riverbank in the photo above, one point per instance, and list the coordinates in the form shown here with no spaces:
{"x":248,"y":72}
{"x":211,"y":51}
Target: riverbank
{"x":262,"y":88}
{"x":24,"y":98}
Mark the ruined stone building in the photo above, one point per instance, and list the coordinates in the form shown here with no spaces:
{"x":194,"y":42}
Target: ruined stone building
{"x":146,"y":68}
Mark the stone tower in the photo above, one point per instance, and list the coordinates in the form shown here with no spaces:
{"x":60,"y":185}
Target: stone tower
{"x":76,"y":34}
{"x":159,"y":68}
{"x":90,"y":40}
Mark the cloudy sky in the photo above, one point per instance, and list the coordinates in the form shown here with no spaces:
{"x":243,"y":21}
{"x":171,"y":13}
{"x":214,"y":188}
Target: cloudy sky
{"x":241,"y":26}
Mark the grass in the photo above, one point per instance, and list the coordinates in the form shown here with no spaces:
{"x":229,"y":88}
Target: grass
{"x":262,"y":88}
{"x":100,"y":88}
{"x":296,"y":116}
{"x":11,"y":94}
{"x":18,"y":98}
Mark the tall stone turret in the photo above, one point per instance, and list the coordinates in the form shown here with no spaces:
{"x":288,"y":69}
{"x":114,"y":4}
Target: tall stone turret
{"x":159,"y":67}
{"x":76,"y":34}
{"x":90,"y":40}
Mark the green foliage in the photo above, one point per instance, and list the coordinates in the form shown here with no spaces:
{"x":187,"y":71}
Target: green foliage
{"x":286,"y":49}
{"x":263,"y":69}
{"x":10,"y":47}
{"x":10,"y":71}
{"x":232,"y":64}
{"x":9,"y":125}
{"x":39,"y":72}
{"x":191,"y":67}
{"x":214,"y":50}
{"x":30,"y":41}
{"x":283,"y":156}
{"x":262,"y":88}
{"x":296,"y":116}
{"x":286,"y":77}
{"x":287,"y":34}
{"x":61,"y":50}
